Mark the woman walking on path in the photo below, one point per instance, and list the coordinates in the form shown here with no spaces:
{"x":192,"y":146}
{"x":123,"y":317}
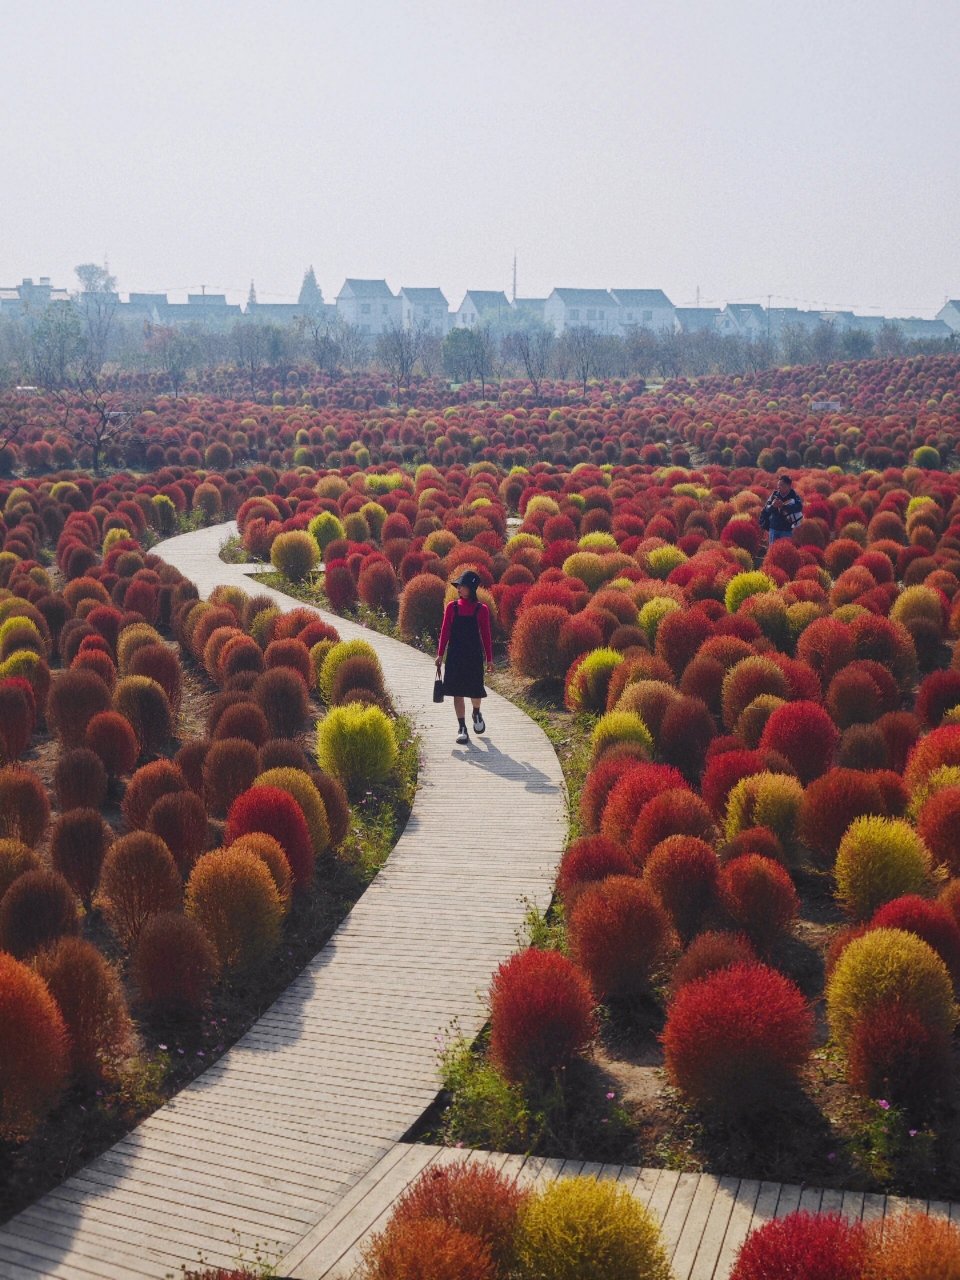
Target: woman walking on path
{"x":466,"y":630}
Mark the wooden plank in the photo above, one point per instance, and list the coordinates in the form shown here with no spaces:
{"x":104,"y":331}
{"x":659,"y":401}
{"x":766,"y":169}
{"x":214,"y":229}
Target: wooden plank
{"x":831,"y":1202}
{"x":789,"y":1200}
{"x":676,"y":1215}
{"x":810,"y":1198}
{"x":691,"y":1233}
{"x":645,"y":1185}
{"x":747,"y":1208}
{"x":659,"y":1203}
{"x":852,"y":1206}
{"x":715,"y":1229}
{"x":874,"y":1207}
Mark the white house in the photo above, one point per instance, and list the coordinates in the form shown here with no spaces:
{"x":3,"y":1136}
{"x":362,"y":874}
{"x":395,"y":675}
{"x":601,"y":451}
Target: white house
{"x":646,"y":309}
{"x":594,"y":309}
{"x":369,"y":305}
{"x":949,"y":313}
{"x":744,"y":320}
{"x":917,"y":330}
{"x":481,"y":306}
{"x":426,"y":309}
{"x":697,"y":319}
{"x":530,"y":309}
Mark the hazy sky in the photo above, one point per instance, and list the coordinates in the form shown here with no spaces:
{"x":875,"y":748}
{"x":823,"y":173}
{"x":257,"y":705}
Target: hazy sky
{"x":810,"y":150}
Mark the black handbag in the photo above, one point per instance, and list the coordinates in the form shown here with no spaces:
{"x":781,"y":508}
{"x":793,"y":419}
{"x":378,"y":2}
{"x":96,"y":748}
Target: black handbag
{"x":438,"y":690}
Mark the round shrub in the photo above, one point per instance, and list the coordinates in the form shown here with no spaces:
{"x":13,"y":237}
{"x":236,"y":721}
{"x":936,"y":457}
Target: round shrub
{"x":229,"y":768}
{"x":638,"y":783}
{"x":175,"y":964}
{"x":80,"y":779}
{"x":683,"y":872}
{"x":427,"y":1249}
{"x":298,"y":784}
{"x":724,"y":771}
{"x":15,"y":859}
{"x":34,"y":1049}
{"x":271,"y":854}
{"x":148,"y":784}
{"x":475,"y":1198}
{"x":245,"y":719}
{"x":737,"y":1038}
{"x":709,"y":952}
{"x":765,"y":800}
{"x":888,"y":965}
{"x":685,"y":734}
{"x":139,"y":879}
{"x":17,"y":717}
{"x":589,"y":679}
{"x":274,"y":813}
{"x":180,"y":820}
{"x":143,"y":702}
{"x":805,"y":735}
{"x":931,"y":921}
{"x":282,"y":696}
{"x":357,"y":744}
{"x":759,"y":896}
{"x":294,"y":554}
{"x":291,"y":654}
{"x":357,"y":672}
{"x":831,"y":803}
{"x":111,"y":737}
{"x":938,"y":823}
{"x":880,"y":859}
{"x":78,"y":844}
{"x":620,"y":936}
{"x":335,"y":803}
{"x":541,"y":1014}
{"x":676,"y":812}
{"x":377,"y":585}
{"x":894,"y":1055}
{"x":586,"y":860}
{"x":913,"y":1246}
{"x":74,"y":699}
{"x":36,"y":910}
{"x":936,"y":749}
{"x":746,"y":680}
{"x":90,"y":997}
{"x":232,"y":896}
{"x":421,"y":607}
{"x":340,"y":652}
{"x":535,"y":650}
{"x":580,"y":1229}
{"x":617,"y":727}
{"x":803,"y":1246}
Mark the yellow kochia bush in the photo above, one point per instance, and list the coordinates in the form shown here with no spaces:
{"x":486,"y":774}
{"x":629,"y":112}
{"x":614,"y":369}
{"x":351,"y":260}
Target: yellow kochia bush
{"x":580,"y":1229}
{"x":887,"y":965}
{"x":880,"y":859}
{"x":300,"y":786}
{"x":234,"y":898}
{"x":765,"y":800}
{"x":356,"y":743}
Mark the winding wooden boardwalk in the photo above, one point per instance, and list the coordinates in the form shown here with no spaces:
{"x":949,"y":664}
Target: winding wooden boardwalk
{"x":275,"y":1134}
{"x":704,"y":1219}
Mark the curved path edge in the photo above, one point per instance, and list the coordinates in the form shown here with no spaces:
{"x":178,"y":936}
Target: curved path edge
{"x":261,"y":1147}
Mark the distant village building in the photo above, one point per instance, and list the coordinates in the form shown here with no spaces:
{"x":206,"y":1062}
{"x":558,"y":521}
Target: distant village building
{"x":369,"y":305}
{"x":645,"y":309}
{"x":594,"y":309}
{"x":425,"y":309}
{"x":697,"y":319}
{"x":529,"y":309}
{"x":918,"y":330}
{"x":743,"y":320}
{"x":29,"y":299}
{"x":949,"y":313}
{"x":481,"y":306}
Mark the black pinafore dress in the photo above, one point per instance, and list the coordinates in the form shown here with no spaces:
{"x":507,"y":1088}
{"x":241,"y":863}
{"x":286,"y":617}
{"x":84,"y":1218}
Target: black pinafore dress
{"x":463,"y":671}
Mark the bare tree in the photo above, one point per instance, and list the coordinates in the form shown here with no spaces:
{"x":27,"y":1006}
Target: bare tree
{"x":581,"y":344}
{"x":323,"y":341}
{"x":249,"y":340}
{"x":483,"y":353}
{"x":354,"y":345}
{"x":176,"y":352}
{"x":397,"y":349}
{"x":97,"y":303}
{"x":890,"y":340}
{"x":534,"y":349}
{"x":431,"y":353}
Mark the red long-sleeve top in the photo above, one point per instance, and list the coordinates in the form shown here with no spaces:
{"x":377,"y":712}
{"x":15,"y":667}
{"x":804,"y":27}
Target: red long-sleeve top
{"x":467,"y":608}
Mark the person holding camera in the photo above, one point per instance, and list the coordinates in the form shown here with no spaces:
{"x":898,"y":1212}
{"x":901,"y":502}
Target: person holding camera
{"x":782,"y":511}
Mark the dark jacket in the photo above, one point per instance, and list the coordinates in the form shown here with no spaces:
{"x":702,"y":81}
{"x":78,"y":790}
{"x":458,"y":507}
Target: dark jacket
{"x":785,"y":517}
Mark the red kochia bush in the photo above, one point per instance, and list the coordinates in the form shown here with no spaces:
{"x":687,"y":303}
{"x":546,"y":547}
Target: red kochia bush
{"x":587,"y":860}
{"x":37,"y":909}
{"x":476,"y":1198}
{"x":175,"y":964}
{"x":180,"y":820}
{"x":162,"y":664}
{"x":88,"y":993}
{"x":805,"y":735}
{"x":80,"y":780}
{"x":277,"y":814}
{"x":535,"y":644}
{"x":803,"y":1246}
{"x":626,"y":798}
{"x":620,"y":936}
{"x":684,"y":874}
{"x":111,"y":736}
{"x":686,"y":731}
{"x":78,"y":844}
{"x":17,"y":717}
{"x":541,"y":1014}
{"x":931,"y":921}
{"x":229,"y":769}
{"x":146,"y":787}
{"x":74,"y":699}
{"x":709,"y":952}
{"x":735,"y":1039}
{"x":427,"y":1249}
{"x":831,"y":803}
{"x":282,"y":696}
{"x":596,"y":788}
{"x":897,"y":1055}
{"x":339,"y":585}
{"x":677,"y":812}
{"x":33,"y":1049}
{"x":139,"y":879}
{"x":724,"y":771}
{"x":758,"y":895}
{"x":939,"y":822}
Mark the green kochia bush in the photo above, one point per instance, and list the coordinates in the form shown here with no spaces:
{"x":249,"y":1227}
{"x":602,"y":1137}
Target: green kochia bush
{"x":294,"y":554}
{"x":356,"y":743}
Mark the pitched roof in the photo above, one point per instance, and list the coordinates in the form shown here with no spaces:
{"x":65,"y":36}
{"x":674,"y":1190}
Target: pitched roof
{"x":742,"y":310}
{"x":696,"y":319}
{"x":584,"y":297}
{"x":486,"y":299}
{"x":641,"y":298}
{"x":424,"y":297}
{"x":366,"y":289}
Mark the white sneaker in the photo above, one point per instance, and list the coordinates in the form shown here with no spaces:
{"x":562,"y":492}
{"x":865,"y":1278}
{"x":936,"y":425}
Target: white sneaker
{"x":462,"y":738}
{"x":478,"y":723}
